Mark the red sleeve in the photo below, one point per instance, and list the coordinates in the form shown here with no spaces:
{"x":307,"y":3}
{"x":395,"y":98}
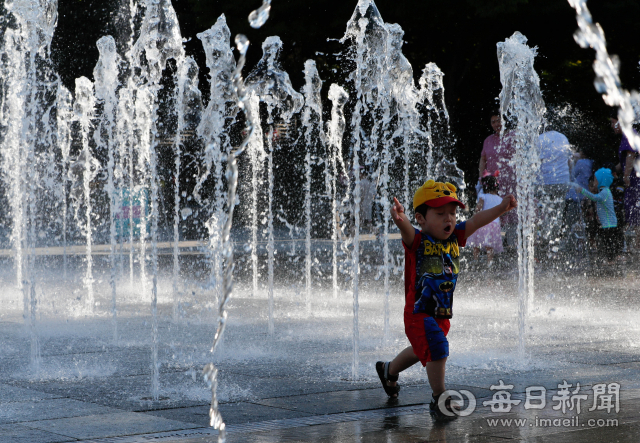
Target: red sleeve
{"x":461,"y":233}
{"x":416,"y":241}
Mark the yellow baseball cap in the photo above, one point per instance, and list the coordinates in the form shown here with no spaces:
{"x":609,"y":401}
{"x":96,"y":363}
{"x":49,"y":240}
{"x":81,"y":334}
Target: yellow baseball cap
{"x":436,"y":194}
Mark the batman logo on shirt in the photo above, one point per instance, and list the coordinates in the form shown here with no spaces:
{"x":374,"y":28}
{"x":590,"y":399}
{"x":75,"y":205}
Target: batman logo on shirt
{"x":446,"y":286}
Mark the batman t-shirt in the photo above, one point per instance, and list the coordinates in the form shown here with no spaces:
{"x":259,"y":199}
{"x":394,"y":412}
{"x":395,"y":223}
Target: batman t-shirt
{"x":437,"y":265}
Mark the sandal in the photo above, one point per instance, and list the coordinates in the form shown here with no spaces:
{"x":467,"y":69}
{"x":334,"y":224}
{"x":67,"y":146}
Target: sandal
{"x":382,"y":368}
{"x":453,"y":410}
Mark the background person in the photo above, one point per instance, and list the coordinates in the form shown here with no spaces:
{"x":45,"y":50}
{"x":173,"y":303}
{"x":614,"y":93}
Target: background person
{"x":497,"y":154}
{"x":368,"y":187}
{"x":555,"y":157}
{"x":581,"y":171}
{"x":627,"y":157}
{"x":489,"y":236}
{"x":608,"y":235}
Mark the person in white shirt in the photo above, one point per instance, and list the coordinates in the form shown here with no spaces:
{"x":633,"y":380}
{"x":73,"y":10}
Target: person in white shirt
{"x":555,"y":157}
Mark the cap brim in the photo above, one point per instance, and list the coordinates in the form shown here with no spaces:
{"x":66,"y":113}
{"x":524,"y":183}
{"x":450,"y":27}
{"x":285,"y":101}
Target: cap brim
{"x":437,"y":202}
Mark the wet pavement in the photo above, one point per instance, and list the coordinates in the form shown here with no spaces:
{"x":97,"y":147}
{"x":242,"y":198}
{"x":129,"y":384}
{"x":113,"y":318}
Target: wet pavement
{"x":296,"y":385}
{"x":366,"y":416}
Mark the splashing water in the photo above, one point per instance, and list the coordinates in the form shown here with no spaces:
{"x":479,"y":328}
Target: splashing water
{"x":25,"y":46}
{"x":449,"y":171}
{"x":64,"y":106}
{"x":521,"y":100}
{"x":385,"y":124}
{"x":221,"y":64}
{"x":312,"y":123}
{"x":159,"y":41}
{"x":82,"y":172}
{"x":260,"y":16}
{"x":210,"y":371}
{"x":269,"y":84}
{"x":188,"y":102}
{"x":607,"y":69}
{"x":106,"y":84}
{"x":335,"y":132}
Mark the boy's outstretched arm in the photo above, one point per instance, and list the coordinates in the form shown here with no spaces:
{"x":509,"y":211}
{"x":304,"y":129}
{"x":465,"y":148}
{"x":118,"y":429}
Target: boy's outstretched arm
{"x":600,"y":197}
{"x":401,"y":220}
{"x":485,"y":217}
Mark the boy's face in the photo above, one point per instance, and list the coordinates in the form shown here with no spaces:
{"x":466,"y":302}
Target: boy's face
{"x":439,"y":222}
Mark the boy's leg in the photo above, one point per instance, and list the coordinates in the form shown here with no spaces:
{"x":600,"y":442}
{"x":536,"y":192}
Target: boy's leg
{"x":435,"y":374}
{"x":404,"y":360}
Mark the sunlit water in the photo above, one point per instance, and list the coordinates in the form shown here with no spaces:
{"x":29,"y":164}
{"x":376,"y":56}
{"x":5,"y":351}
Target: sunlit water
{"x":322,"y":311}
{"x":577,"y":321}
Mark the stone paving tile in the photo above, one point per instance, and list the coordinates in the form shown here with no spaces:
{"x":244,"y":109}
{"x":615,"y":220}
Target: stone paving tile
{"x":232,"y":413}
{"x":14,"y":394}
{"x":17,"y":412}
{"x":359,"y":400}
{"x":22,"y":434}
{"x":625,"y":433}
{"x":475,"y":428}
{"x":560,"y":423}
{"x":109,"y":425}
{"x":128,"y":393}
{"x":410,"y":429}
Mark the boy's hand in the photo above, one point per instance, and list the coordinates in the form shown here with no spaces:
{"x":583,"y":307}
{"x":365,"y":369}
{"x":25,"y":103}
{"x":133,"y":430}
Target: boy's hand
{"x":396,"y":210}
{"x":509,"y":203}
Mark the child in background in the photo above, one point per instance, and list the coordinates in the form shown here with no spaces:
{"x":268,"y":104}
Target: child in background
{"x":489,"y":236}
{"x":617,"y":190}
{"x":607,"y":233}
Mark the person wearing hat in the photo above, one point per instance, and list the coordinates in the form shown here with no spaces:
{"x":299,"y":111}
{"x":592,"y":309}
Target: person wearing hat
{"x":432,"y":263}
{"x":608,"y":235}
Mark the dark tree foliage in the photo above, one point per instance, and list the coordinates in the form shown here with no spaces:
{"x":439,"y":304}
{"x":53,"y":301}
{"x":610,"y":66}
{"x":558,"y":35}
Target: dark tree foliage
{"x":459,"y":35}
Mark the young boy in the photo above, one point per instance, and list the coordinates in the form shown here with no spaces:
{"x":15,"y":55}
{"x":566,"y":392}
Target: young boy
{"x":608,"y":233}
{"x":431,"y":271}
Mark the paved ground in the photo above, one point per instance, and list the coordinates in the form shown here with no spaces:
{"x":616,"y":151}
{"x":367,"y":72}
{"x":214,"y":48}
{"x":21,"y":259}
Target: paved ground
{"x":31,"y":415}
{"x":296,"y":385}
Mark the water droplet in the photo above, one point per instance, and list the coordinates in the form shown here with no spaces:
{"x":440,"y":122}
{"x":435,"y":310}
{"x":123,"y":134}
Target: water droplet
{"x":581,"y":39}
{"x":186,"y":212}
{"x":258,"y":17}
{"x":242,"y":43}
